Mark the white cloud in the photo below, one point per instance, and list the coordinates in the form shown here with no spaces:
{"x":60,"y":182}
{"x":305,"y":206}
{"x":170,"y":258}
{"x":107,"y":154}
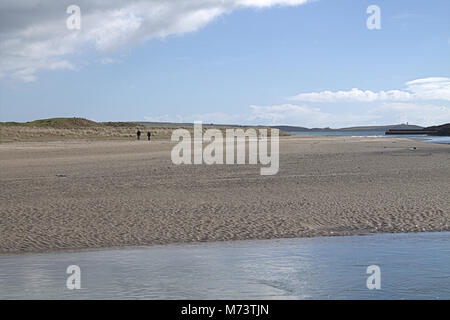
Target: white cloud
{"x":25,"y":75}
{"x":165,"y":118}
{"x":305,"y":116}
{"x":313,"y":117}
{"x":287,"y":113}
{"x":108,"y":60}
{"x":420,"y":89}
{"x":422,"y":114}
{"x":212,"y":117}
{"x":33,"y":34}
{"x":61,"y":64}
{"x":416,"y":104}
{"x":430,"y":88}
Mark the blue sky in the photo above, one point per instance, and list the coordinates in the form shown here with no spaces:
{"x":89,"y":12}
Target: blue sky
{"x":288,"y":62}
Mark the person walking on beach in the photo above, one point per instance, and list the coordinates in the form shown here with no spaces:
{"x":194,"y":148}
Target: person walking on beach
{"x":149,"y":134}
{"x":138,"y":134}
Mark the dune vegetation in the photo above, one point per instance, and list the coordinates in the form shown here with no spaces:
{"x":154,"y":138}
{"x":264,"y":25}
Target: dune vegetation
{"x":66,"y":128}
{"x":55,"y":129}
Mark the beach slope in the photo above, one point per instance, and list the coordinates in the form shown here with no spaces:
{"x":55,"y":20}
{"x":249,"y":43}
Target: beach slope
{"x":92,"y":194}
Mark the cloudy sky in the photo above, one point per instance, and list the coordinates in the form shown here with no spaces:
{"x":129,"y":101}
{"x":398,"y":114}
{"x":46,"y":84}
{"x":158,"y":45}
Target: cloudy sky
{"x":295,"y":62}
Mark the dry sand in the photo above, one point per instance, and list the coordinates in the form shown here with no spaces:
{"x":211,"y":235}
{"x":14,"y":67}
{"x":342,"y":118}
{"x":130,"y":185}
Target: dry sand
{"x":79,"y":194}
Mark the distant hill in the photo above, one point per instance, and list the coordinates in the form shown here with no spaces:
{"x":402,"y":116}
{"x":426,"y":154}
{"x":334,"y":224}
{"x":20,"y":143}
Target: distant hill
{"x":70,"y":123}
{"x":360,"y":128}
{"x":383,"y":128}
{"x":63,"y":123}
{"x":121,"y":124}
{"x":58,"y":123}
{"x":290,"y":128}
{"x":442,"y":130}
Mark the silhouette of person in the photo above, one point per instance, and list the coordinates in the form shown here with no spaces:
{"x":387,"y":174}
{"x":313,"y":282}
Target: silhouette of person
{"x":138,"y":134}
{"x":149,"y":134}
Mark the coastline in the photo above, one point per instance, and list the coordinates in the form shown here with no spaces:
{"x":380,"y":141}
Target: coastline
{"x":100,"y":194}
{"x":229,"y":243}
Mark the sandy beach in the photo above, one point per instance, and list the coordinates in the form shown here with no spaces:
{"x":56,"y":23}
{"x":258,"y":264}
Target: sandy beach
{"x":93,"y":194}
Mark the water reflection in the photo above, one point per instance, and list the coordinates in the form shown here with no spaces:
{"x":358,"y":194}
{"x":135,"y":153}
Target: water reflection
{"x":413,"y":266}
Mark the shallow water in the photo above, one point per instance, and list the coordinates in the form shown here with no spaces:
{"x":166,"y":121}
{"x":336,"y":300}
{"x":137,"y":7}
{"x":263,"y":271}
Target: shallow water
{"x":445,"y":140}
{"x":356,"y":133}
{"x":374,"y":134}
{"x":412,"y":266}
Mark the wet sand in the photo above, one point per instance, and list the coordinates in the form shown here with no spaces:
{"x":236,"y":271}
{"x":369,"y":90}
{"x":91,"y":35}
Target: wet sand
{"x":81,"y":194}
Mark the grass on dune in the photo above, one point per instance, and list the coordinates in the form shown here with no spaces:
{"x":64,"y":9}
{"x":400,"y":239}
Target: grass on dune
{"x":69,"y":123}
{"x":80,"y":128}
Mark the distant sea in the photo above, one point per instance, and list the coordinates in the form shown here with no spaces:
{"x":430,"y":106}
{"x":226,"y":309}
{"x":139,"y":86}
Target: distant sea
{"x":374,"y":134}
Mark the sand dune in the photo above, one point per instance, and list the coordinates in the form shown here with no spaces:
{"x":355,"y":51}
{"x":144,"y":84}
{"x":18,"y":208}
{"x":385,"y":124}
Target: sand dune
{"x":83,"y":194}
